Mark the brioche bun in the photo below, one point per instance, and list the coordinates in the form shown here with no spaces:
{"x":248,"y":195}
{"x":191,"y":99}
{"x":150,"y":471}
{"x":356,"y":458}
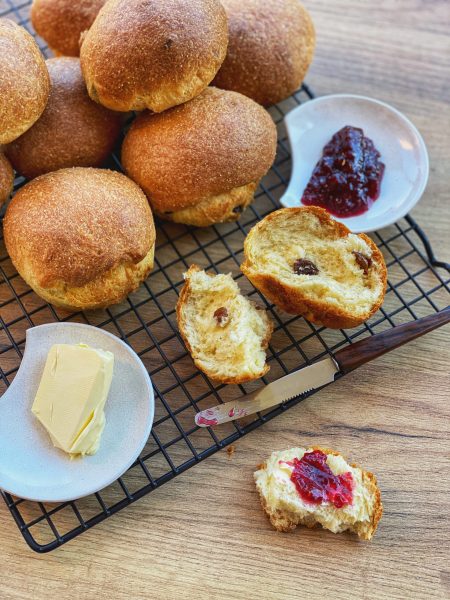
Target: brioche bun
{"x":61,"y":22}
{"x":153,"y":54}
{"x":200,"y":163}
{"x":81,"y":238}
{"x":6,"y":179}
{"x":270,"y":49}
{"x":308,"y":264}
{"x":24,"y":81}
{"x":226,"y":334}
{"x":73,"y":131}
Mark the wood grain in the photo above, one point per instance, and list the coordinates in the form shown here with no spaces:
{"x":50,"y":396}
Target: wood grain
{"x":203,"y":536}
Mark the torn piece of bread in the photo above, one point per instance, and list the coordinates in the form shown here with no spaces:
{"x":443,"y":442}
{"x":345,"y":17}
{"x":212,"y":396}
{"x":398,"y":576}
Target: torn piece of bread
{"x":226,"y":334}
{"x":318,"y":487}
{"x":308,"y":264}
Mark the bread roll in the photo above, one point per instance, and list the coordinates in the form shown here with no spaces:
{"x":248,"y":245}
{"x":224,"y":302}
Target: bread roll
{"x":24,"y":81}
{"x":226,"y":334}
{"x":279,"y":480}
{"x":61,"y":22}
{"x":153,"y":54}
{"x":270,"y":48}
{"x":200,"y":163}
{"x":81,"y":238}
{"x":6,"y":179}
{"x":73,"y":131}
{"x":308,"y":264}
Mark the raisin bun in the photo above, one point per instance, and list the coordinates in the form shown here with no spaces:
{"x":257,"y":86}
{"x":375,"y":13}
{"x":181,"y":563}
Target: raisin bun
{"x":61,"y":22}
{"x":24,"y":81}
{"x":317,"y":486}
{"x":308,"y":264}
{"x":200,"y":163}
{"x":73,"y":131}
{"x":270,"y":49}
{"x":6,"y":179}
{"x":226,"y":334}
{"x":153,"y":54}
{"x":81,"y":238}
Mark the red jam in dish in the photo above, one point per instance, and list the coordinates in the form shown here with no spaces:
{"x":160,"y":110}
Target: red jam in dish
{"x":316,"y":483}
{"x":347,"y":179}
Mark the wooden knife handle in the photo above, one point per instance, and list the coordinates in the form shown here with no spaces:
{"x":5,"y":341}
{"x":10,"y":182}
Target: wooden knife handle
{"x":357,"y":354}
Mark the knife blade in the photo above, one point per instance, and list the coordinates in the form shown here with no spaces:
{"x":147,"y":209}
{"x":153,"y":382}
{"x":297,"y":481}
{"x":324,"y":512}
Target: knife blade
{"x":286,"y":388}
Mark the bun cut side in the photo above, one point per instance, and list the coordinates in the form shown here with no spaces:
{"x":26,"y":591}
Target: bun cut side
{"x":81,"y":238}
{"x":308,"y":264}
{"x":153,"y":54}
{"x":24,"y":81}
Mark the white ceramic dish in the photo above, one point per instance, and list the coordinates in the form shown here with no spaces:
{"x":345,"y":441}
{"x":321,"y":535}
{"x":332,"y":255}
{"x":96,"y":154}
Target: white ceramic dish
{"x":30,"y":467}
{"x":312,"y":125}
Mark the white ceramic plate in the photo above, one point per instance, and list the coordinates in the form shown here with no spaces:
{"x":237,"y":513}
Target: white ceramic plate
{"x":311,"y":126}
{"x":30,"y":467}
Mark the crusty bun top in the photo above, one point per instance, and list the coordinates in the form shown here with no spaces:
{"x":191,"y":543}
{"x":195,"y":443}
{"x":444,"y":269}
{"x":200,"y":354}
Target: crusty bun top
{"x":24,"y":81}
{"x":75,"y":224}
{"x":211,"y":145}
{"x":6,"y":179}
{"x":271,"y":45}
{"x":153,"y":53}
{"x":61,"y":22}
{"x":73,"y":131}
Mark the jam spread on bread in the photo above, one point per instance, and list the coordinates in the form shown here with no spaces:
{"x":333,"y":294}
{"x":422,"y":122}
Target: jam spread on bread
{"x":316,"y":483}
{"x":347,"y":179}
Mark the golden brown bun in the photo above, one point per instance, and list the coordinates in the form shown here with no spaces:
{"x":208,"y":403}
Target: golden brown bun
{"x":6,"y":179}
{"x":73,"y":131}
{"x":270,"y":48}
{"x":81,"y":238}
{"x":153,"y":54}
{"x":341,"y":294}
{"x":24,"y":81}
{"x":286,"y":510}
{"x":61,"y":22}
{"x":199,"y":161}
{"x":230,"y":348}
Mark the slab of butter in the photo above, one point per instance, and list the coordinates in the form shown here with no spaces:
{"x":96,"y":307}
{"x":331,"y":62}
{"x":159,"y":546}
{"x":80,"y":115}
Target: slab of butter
{"x":71,"y":397}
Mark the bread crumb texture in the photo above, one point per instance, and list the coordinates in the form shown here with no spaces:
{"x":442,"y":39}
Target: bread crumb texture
{"x":286,"y":509}
{"x":341,"y":293}
{"x":226,"y":334}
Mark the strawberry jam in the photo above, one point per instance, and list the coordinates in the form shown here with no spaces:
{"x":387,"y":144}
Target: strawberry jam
{"x":347,"y":179}
{"x":316,"y":483}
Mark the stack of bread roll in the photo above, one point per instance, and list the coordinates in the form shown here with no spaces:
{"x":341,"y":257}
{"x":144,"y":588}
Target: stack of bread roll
{"x":81,"y":237}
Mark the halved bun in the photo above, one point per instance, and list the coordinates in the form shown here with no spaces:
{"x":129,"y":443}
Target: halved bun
{"x":200,"y":163}
{"x":61,"y":22}
{"x":286,"y":508}
{"x":24,"y":81}
{"x":270,"y":48}
{"x":81,"y":238}
{"x":6,"y":179}
{"x":73,"y":131}
{"x":153,"y":54}
{"x":308,"y":264}
{"x":226,"y":334}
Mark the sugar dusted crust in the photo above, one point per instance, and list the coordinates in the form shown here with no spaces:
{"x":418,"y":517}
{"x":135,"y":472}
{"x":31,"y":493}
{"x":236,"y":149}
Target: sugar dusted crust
{"x":286,"y":522}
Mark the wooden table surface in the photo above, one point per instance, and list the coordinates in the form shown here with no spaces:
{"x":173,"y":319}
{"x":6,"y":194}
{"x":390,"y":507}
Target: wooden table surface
{"x":203,"y":535}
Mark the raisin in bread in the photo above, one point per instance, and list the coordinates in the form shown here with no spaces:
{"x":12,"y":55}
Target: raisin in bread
{"x":318,"y":487}
{"x":308,"y":264}
{"x":226,"y":334}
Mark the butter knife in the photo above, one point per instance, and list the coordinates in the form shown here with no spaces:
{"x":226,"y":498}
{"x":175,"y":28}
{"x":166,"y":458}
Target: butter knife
{"x":320,"y":373}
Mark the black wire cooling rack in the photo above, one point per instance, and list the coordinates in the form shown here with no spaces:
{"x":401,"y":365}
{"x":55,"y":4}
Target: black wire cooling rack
{"x":418,"y":285}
